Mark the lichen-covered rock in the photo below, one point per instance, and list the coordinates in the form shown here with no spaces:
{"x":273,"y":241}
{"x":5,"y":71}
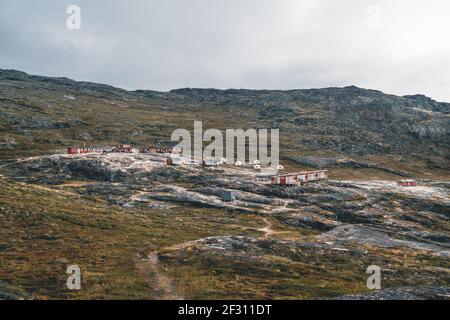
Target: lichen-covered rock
{"x":10,"y":292}
{"x":406,"y":293}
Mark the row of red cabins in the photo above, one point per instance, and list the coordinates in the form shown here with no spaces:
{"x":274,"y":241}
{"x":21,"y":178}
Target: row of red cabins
{"x":72,"y":150}
{"x":156,"y":149}
{"x":298,"y":178}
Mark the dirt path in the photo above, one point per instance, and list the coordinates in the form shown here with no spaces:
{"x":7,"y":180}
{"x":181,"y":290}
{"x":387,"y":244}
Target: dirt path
{"x":268,"y":231}
{"x":163,"y":287}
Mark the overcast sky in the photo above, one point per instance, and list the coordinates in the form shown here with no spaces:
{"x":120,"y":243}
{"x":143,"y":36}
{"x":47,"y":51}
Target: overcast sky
{"x":396,"y":46}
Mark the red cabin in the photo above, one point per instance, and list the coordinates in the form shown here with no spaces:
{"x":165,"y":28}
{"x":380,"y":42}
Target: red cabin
{"x":126,"y":148}
{"x":407,"y":183}
{"x":164,"y":149}
{"x":73,"y":150}
{"x":88,"y":150}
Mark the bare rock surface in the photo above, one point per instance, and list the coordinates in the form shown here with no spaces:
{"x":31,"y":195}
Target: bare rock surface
{"x":406,"y":293}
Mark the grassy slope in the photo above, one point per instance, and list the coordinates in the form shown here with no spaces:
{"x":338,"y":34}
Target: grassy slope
{"x":47,"y":226}
{"x":49,"y":229}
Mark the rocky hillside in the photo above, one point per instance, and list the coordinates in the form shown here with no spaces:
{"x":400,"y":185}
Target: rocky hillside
{"x":141,"y":229}
{"x":38,"y":114}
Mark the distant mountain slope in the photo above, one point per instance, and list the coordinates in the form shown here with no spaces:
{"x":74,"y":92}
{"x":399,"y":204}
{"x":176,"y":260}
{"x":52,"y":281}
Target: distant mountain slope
{"x":38,"y":114}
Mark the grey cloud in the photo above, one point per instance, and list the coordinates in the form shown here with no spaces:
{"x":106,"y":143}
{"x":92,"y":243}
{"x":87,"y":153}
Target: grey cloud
{"x":228,"y":43}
